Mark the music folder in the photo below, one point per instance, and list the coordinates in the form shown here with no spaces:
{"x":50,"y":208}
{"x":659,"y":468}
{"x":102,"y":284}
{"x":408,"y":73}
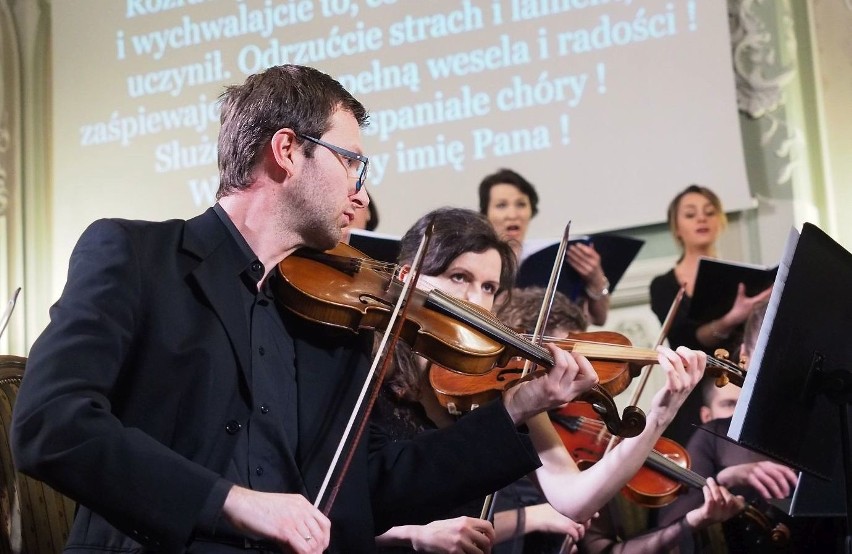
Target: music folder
{"x":716,"y":286}
{"x":378,"y":246}
{"x":617,"y":252}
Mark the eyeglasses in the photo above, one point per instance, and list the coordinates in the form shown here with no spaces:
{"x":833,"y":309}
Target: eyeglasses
{"x":357,"y":165}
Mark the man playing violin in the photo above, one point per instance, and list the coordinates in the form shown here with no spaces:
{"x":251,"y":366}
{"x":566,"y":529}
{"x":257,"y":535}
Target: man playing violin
{"x":186,"y":412}
{"x":467,"y":260}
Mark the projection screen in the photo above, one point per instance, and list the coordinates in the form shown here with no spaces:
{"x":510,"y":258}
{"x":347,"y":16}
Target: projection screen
{"x":608,"y":107}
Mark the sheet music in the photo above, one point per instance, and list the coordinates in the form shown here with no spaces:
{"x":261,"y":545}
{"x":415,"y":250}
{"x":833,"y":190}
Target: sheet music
{"x":374,"y":234}
{"x":756,"y":361}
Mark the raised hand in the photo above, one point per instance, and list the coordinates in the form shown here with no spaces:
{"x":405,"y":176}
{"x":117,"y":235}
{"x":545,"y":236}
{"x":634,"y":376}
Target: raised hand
{"x":743,"y":306}
{"x":684,"y":369}
{"x":587,"y":263}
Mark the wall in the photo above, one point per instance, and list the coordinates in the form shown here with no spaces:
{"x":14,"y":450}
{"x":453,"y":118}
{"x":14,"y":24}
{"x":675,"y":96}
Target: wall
{"x":24,"y":168}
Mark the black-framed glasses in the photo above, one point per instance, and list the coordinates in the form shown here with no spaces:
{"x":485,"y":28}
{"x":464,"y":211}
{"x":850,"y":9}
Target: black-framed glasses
{"x":359,"y":169}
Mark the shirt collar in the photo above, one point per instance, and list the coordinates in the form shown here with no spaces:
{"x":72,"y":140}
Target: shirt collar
{"x":253,"y":269}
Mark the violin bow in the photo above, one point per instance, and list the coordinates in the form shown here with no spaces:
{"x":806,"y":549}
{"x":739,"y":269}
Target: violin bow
{"x":549,"y":293}
{"x":7,"y":313}
{"x":640,"y":386}
{"x":372,"y":383}
{"x":544,"y":313}
{"x":646,"y":371}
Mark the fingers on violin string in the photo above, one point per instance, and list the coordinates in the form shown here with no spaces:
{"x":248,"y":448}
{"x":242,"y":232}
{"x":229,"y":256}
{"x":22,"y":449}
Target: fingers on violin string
{"x":712,"y":493}
{"x":670,"y":362}
{"x":565,"y":361}
{"x":690,"y":365}
{"x":726,"y":495}
{"x":665,"y":357}
{"x":587,"y":370}
{"x":696,"y":359}
{"x":581,"y":361}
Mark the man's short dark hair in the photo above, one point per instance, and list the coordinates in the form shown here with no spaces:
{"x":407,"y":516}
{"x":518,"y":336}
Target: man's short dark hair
{"x":286,"y":96}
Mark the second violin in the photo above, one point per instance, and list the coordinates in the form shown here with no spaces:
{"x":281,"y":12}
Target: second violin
{"x":663,"y":476}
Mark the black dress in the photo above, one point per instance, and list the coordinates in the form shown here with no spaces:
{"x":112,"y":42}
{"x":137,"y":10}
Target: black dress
{"x":664,"y":289}
{"x":402,"y":420}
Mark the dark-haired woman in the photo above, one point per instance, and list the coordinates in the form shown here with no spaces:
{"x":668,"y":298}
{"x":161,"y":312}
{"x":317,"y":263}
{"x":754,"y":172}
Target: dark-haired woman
{"x":467,"y":259}
{"x":510,"y":202}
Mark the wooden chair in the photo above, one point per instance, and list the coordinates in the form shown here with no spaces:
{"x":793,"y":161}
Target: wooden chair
{"x":34,"y":518}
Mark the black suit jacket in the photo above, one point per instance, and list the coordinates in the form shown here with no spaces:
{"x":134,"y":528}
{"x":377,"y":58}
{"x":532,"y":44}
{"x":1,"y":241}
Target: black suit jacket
{"x":136,"y":392}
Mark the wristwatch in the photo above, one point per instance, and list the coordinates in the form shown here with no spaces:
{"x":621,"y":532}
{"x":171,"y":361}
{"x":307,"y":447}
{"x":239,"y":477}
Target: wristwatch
{"x":598,"y":295}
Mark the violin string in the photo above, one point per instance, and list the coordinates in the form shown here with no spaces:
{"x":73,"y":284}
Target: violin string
{"x":590,"y":426}
{"x":562,"y":341}
{"x":729,"y":366}
{"x":488,"y":323}
{"x":381,"y":267}
{"x":605,"y":350}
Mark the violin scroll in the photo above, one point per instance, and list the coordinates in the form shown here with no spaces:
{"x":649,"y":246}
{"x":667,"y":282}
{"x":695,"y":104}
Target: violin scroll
{"x":724,"y":369}
{"x":632,"y":421}
{"x":780,"y":535}
{"x":722,"y":378}
{"x":760,"y":525}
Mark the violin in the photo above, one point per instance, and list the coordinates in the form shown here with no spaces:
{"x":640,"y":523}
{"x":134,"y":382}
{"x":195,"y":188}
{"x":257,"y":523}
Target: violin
{"x":718,"y":366}
{"x":611,"y":355}
{"x":460,"y":393}
{"x":345,"y":289}
{"x":586,"y":440}
{"x":661,"y":480}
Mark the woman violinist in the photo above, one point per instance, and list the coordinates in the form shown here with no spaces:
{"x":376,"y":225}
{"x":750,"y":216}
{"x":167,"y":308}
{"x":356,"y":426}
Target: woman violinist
{"x":467,"y":259}
{"x":520,"y":312}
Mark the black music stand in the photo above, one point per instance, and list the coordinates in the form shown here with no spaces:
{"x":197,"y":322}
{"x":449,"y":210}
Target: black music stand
{"x":796,"y":398}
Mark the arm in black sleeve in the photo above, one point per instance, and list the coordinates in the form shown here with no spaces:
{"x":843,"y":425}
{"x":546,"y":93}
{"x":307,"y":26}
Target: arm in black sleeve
{"x":65,"y":430}
{"x":420,"y":480}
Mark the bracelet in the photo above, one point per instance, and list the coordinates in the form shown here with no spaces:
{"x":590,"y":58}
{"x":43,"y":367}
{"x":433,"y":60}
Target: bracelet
{"x":598,"y":295}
